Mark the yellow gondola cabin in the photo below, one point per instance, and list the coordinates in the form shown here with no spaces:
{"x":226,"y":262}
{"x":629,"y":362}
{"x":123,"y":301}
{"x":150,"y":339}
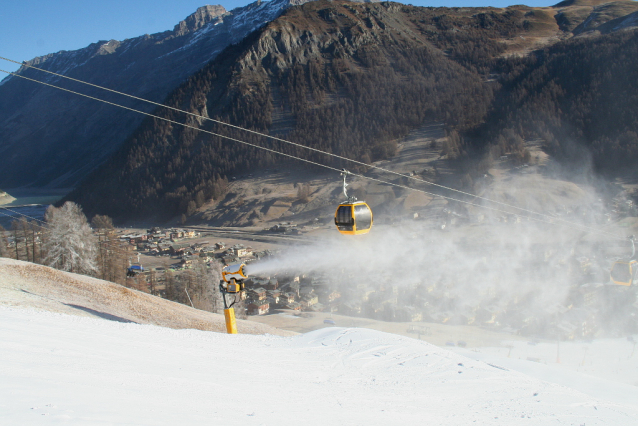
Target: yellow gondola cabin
{"x":353,"y":218}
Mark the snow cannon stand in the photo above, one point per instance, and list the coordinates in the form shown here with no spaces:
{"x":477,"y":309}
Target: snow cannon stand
{"x":232,"y":284}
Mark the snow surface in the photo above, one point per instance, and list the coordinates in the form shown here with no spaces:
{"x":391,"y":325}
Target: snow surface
{"x":56,"y":368}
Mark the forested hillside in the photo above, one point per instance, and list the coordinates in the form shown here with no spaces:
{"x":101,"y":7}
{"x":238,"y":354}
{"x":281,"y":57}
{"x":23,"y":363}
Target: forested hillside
{"x":351,"y":78}
{"x":574,"y":95}
{"x":347,"y":78}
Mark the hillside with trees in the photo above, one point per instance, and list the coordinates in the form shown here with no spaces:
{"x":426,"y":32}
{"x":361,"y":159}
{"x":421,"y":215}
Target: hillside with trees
{"x":580,"y":98}
{"x":351,"y":78}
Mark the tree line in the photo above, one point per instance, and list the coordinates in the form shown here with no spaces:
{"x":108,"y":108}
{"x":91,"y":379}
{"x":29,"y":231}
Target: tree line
{"x":67,"y":242}
{"x":579,"y":98}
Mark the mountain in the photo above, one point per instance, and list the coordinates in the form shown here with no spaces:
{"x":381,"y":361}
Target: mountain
{"x":580,"y":98}
{"x":60,"y":137}
{"x":336,"y":76}
{"x":341,"y":77}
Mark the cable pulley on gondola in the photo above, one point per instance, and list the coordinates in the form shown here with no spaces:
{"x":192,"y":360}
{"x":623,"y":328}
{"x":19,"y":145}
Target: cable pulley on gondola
{"x":352,"y":217}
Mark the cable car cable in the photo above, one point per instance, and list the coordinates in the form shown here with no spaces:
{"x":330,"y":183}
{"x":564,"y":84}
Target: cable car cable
{"x":21,"y":214}
{"x":569,"y":224}
{"x":572,"y":225}
{"x":552,"y":218}
{"x":372,"y":166}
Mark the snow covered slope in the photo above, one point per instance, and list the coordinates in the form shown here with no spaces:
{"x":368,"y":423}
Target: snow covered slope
{"x":66,"y":369}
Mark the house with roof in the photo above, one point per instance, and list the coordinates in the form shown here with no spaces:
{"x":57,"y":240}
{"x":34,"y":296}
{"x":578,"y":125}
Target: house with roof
{"x":309,"y":300}
{"x":230,"y":259}
{"x":258,"y":293}
{"x":292,"y":287}
{"x":275,"y":295}
{"x":294,"y":306}
{"x":176,"y":234}
{"x":188,"y":260}
{"x":287,"y":298}
{"x":258,"y":307}
{"x":272,"y":284}
{"x":178,"y":249}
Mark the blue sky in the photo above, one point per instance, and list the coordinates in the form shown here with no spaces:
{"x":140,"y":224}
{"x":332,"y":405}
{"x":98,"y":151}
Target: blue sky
{"x":30,"y":28}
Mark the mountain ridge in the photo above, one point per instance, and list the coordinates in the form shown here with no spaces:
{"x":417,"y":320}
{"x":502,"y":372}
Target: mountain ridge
{"x":343,"y":78}
{"x":62,"y":145}
{"x":52,"y":140}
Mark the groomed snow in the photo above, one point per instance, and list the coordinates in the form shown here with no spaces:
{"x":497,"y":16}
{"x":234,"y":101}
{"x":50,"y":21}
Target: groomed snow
{"x":56,"y":368}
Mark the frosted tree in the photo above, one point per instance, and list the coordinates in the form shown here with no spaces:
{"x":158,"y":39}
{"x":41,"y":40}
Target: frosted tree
{"x":203,"y":285}
{"x":70,"y":244}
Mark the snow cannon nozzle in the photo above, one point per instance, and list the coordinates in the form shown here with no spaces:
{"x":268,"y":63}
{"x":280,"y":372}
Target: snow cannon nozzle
{"x":236,"y":271}
{"x":233,"y":277}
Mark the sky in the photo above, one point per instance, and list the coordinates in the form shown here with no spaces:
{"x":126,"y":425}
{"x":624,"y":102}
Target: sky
{"x":57,"y":368}
{"x":31,"y":28}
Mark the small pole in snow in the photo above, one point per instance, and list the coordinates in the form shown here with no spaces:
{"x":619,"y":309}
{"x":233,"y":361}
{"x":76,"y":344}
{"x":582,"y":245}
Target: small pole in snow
{"x":189,"y":297}
{"x":558,"y":352}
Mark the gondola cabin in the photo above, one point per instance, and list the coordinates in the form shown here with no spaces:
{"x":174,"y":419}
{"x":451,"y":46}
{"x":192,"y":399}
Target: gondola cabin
{"x":353,"y":218}
{"x":624,"y":273}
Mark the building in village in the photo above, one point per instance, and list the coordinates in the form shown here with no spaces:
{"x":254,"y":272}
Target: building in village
{"x":258,"y":307}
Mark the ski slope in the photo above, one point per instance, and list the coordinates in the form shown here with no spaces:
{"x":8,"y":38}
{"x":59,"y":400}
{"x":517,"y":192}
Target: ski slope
{"x":60,"y":369}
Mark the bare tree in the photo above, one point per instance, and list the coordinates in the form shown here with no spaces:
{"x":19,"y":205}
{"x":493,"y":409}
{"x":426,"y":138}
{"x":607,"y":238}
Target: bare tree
{"x":152,"y":282}
{"x":4,"y":243}
{"x":23,"y":227}
{"x":303,"y":192}
{"x":17,"y":240}
{"x":205,"y":287}
{"x":36,"y":241}
{"x":198,"y":285}
{"x":111,"y":261}
{"x":175,"y":289}
{"x":70,"y":244}
{"x":102,"y":222}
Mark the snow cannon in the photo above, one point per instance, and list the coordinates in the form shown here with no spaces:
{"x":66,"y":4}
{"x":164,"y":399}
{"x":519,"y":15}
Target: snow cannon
{"x":232,"y":284}
{"x":233,"y":278}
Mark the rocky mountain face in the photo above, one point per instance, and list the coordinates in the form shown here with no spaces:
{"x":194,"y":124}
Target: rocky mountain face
{"x":346,"y":64}
{"x":342,"y":77}
{"x":59,"y":137}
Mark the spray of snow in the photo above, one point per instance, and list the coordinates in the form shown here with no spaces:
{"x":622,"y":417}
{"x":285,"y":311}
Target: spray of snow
{"x":501,"y":264}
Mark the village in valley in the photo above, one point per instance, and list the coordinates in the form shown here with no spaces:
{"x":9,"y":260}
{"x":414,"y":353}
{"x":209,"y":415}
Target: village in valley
{"x":179,"y":263}
{"x":420,"y":302}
